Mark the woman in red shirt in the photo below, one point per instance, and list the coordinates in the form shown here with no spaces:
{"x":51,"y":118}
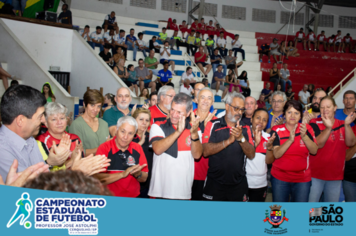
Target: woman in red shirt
{"x":327,"y":166}
{"x":290,"y":174}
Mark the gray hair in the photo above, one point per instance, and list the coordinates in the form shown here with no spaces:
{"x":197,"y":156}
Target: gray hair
{"x":206,"y":88}
{"x":129,"y":120}
{"x":54,"y":108}
{"x":163,"y":91}
{"x":280,"y":93}
{"x":231,"y":96}
{"x":182,"y":98}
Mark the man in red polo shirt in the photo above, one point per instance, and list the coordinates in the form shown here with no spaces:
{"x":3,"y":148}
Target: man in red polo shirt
{"x":202,"y":28}
{"x":200,"y":60}
{"x":194,"y":25}
{"x":184,"y":28}
{"x":210,"y":29}
{"x":128,"y":166}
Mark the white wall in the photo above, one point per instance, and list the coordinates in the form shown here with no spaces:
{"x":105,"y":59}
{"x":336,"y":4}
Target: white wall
{"x":50,"y":45}
{"x":22,"y":63}
{"x":351,"y":85}
{"x":248,"y":25}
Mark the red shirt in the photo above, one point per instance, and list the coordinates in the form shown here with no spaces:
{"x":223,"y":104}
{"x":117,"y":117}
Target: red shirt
{"x":201,"y":26}
{"x":261,"y":104}
{"x":329,"y":162}
{"x":210,"y":27}
{"x":157,"y":114}
{"x":293,"y":166}
{"x":193,"y":26}
{"x":183,"y":27}
{"x":47,"y":141}
{"x":120,"y":161}
{"x":174,"y":27}
{"x":347,"y":40}
{"x":197,"y":55}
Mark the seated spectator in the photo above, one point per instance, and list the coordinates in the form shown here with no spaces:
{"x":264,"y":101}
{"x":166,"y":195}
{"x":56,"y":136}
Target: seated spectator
{"x":209,"y":45}
{"x":202,"y":28}
{"x":130,"y":172}
{"x":210,"y":28}
{"x":327,"y":91}
{"x":291,"y":50}
{"x":321,"y":39}
{"x":145,"y":93}
{"x":199,"y":86}
{"x":197,"y":39}
{"x":269,"y":103}
{"x":194,"y":25}
{"x":172,"y":25}
{"x":123,"y":99}
{"x":106,"y":55}
{"x":186,"y":88}
{"x":279,"y":88}
{"x":274,"y":74}
{"x":191,"y":41}
{"x":152,"y":99}
{"x":266,"y":91}
{"x":130,"y":42}
{"x":110,"y":22}
{"x":205,"y":82}
{"x":4,"y":75}
{"x":233,"y":82}
{"x":285,"y":77}
{"x":218,"y":82}
{"x":338,"y":42}
{"x":188,"y":74}
{"x":220,"y":29}
{"x":200,"y":60}
{"x":237,"y":46}
{"x":109,"y":40}
{"x":265,"y":50}
{"x":331,"y":42}
{"x":311,"y":38}
{"x":216,"y":60}
{"x":261,"y":102}
{"x":119,"y":41}
{"x":347,"y":43}
{"x":109,"y":99}
{"x":165,"y":53}
{"x":121,"y":71}
{"x":184,"y":28}
{"x":164,"y":38}
{"x":133,"y":79}
{"x":311,"y":90}
{"x":290,"y":94}
{"x":119,"y":55}
{"x":244,"y":83}
{"x":18,"y":5}
{"x":141,"y":46}
{"x":154,"y":45}
{"x":304,"y":95}
{"x":282,"y":49}
{"x":221,"y":45}
{"x":300,"y":38}
{"x":160,"y":110}
{"x":85,"y":33}
{"x":48,"y":93}
{"x":65,"y":17}
{"x":230,"y":61}
{"x":179,"y":41}
{"x":164,"y":77}
{"x":96,"y":39}
{"x":275,"y":51}
{"x":145,"y":76}
{"x":152,"y":63}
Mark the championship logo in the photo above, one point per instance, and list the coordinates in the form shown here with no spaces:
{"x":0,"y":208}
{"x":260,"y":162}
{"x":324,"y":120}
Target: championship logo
{"x":275,"y":217}
{"x":265,"y":145}
{"x":341,"y":137}
{"x":187,"y":141}
{"x":131,"y":161}
{"x":302,"y":143}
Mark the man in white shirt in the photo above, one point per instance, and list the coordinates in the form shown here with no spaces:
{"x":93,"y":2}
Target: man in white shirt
{"x":188,"y":74}
{"x":110,"y":22}
{"x":304,"y":95}
{"x":97,"y":39}
{"x":165,"y":53}
{"x":85,"y":33}
{"x":311,"y":39}
{"x":275,"y":50}
{"x":109,"y":40}
{"x":284,"y":73}
{"x":338,"y":41}
{"x":119,"y":41}
{"x":186,"y":88}
{"x":221,"y":45}
{"x":321,"y":39}
{"x":237,"y":46}
{"x":141,"y":46}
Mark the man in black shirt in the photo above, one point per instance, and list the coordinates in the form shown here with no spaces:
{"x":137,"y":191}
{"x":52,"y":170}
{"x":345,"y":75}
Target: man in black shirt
{"x":250,"y":107}
{"x":226,"y":143}
{"x":106,"y":55}
{"x":66,"y":15}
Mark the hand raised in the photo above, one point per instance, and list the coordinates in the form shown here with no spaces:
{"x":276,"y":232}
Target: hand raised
{"x":181,"y":124}
{"x":292,"y":133}
{"x":350,"y":118}
{"x":209,"y":117}
{"x":194,"y":121}
{"x":303,"y":130}
{"x":258,"y":136}
{"x":269,"y":144}
{"x":91,"y":164}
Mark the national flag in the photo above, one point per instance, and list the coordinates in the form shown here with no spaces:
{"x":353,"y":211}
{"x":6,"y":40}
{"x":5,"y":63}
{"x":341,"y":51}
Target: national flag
{"x":33,"y":6}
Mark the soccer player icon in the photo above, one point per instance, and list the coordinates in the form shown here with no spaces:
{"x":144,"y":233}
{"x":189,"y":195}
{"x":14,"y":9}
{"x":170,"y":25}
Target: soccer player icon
{"x":24,"y":207}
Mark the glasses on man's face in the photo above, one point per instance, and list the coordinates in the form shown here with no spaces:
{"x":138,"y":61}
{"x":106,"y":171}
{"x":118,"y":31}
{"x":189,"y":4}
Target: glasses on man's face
{"x":278,"y":101}
{"x":171,"y":96}
{"x":238,"y":109}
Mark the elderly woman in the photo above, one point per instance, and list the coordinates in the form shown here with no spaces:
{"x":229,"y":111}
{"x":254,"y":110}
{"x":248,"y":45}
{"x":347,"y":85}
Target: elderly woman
{"x":294,"y":142}
{"x":327,"y":166}
{"x":129,"y":165}
{"x":91,"y":130}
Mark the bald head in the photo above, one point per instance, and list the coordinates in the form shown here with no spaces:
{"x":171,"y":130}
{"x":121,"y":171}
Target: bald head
{"x":250,"y":106}
{"x":123,"y":98}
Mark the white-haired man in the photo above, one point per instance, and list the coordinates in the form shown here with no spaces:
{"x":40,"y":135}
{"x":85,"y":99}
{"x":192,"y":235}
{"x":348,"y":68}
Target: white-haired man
{"x":123,"y":99}
{"x":276,"y":115}
{"x":175,"y":143}
{"x":128,"y":161}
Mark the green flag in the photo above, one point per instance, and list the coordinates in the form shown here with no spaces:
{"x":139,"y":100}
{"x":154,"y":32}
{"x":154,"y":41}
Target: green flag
{"x":33,"y":6}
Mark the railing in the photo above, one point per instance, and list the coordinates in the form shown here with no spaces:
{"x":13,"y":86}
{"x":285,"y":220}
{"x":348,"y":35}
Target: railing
{"x":194,"y":66}
{"x":63,"y":78}
{"x":343,"y":80}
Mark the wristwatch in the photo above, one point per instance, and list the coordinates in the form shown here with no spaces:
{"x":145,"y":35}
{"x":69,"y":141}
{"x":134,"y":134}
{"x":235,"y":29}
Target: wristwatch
{"x":50,"y":167}
{"x":139,"y":176}
{"x":242,"y":139}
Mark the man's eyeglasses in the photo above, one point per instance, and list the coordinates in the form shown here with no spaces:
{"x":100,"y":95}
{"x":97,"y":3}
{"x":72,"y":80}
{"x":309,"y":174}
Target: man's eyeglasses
{"x":237,"y":109}
{"x":171,"y":96}
{"x":278,"y":101}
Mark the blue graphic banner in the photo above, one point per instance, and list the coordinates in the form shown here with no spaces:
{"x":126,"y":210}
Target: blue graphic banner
{"x":37,"y":212}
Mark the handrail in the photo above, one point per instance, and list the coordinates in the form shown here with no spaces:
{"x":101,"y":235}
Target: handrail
{"x":193,"y":65}
{"x":340,"y":83}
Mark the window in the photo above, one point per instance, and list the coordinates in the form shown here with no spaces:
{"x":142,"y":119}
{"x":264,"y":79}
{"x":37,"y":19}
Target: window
{"x":210,"y":9}
{"x":174,"y":5}
{"x":299,"y":18}
{"x":347,"y":22}
{"x":231,"y":12}
{"x":325,"y":20}
{"x":143,"y":3}
{"x":113,"y":1}
{"x":263,"y":15}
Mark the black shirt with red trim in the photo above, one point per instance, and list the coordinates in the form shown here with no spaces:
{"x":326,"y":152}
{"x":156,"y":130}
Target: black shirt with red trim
{"x":350,"y":166}
{"x":227,"y":166}
{"x":157,"y":114}
{"x":120,"y":161}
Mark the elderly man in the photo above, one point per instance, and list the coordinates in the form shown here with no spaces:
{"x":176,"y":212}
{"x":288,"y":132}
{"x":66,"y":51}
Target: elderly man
{"x":226,"y":143}
{"x":176,"y":144}
{"x":276,"y":115}
{"x":199,"y":86}
{"x":266,"y":91}
{"x":152,"y":63}
{"x":129,"y":164}
{"x":304,"y":95}
{"x":160,"y":111}
{"x":205,"y":100}
{"x":123,"y":100}
{"x":144,"y":76}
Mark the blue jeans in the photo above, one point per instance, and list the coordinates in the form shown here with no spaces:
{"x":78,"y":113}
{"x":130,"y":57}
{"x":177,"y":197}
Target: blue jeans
{"x":283,"y":82}
{"x":93,"y":45}
{"x":130,"y":47}
{"x":143,"y":51}
{"x":223,"y":52}
{"x":210,"y":50}
{"x":349,"y":191}
{"x":331,"y":190}
{"x":235,"y":50}
{"x":281,"y":190}
{"x":216,"y":66}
